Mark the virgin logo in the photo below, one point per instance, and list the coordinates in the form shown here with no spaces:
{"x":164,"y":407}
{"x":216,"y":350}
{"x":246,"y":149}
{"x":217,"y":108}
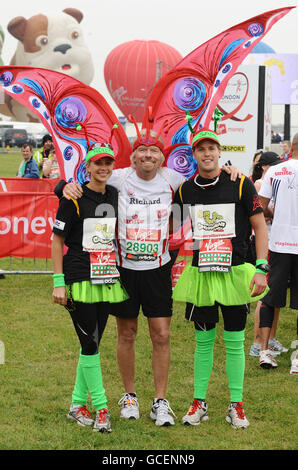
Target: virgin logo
{"x":104,"y":258}
{"x":214,"y":245}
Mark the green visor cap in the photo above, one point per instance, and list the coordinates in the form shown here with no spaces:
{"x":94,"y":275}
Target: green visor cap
{"x":100,"y":152}
{"x":205,"y":134}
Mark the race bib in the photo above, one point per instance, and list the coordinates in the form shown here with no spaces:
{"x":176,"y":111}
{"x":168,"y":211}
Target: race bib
{"x":215,"y":255}
{"x":142,"y":244}
{"x":145,"y":231}
{"x":103,"y":268}
{"x":213,"y":221}
{"x":98,"y":236}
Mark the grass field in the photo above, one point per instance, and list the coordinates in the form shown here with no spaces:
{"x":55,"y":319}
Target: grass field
{"x":41,"y":351}
{"x":10,"y":162}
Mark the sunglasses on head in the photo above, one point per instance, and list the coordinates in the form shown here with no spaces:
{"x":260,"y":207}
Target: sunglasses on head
{"x":99,"y":145}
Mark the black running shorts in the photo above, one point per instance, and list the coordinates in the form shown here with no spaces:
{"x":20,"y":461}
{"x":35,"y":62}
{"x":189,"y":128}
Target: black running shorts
{"x":150,"y":290}
{"x":205,"y":318}
{"x":283,"y":268}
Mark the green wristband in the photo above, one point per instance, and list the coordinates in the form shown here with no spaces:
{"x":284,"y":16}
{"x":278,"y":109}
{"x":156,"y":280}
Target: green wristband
{"x":261,"y":261}
{"x":58,"y":280}
{"x":260,"y":271}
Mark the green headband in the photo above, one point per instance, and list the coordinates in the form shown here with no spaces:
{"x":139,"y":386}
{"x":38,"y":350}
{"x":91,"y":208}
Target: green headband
{"x":205,"y":135}
{"x":96,"y":151}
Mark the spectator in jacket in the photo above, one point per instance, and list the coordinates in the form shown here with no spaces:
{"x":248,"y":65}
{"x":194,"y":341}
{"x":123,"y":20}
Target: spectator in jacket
{"x":28,"y":167}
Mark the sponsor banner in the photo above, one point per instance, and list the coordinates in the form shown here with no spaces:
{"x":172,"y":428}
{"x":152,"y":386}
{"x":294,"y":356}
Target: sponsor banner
{"x":26,"y":221}
{"x":27,"y":185}
{"x":242,"y":111}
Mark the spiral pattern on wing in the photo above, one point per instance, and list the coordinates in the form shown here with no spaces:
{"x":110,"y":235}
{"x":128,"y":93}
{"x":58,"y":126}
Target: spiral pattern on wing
{"x":70,"y":111}
{"x":181,"y":160}
{"x":6,"y":78}
{"x":255,"y":29}
{"x":189,"y":93}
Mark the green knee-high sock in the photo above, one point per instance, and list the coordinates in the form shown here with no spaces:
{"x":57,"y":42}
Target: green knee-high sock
{"x":80,"y":391}
{"x":92,"y":373}
{"x":235,"y":363}
{"x":203,"y":361}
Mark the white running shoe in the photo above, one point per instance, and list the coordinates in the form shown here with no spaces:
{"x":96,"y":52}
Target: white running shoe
{"x":197,"y":412}
{"x":255,"y":350}
{"x":81,"y":415}
{"x":275,"y":345}
{"x":236,"y":416}
{"x":294,"y":366}
{"x":160,"y":412}
{"x":102,"y":421}
{"x":266,"y":360}
{"x":130,"y":407}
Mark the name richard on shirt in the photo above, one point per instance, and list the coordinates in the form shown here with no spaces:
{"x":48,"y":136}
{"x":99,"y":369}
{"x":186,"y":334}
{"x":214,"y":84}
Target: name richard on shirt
{"x":135,"y":200}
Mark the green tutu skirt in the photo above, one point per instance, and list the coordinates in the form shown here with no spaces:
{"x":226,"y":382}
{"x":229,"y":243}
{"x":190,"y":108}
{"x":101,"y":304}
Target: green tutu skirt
{"x":206,"y":288}
{"x":89,"y":293}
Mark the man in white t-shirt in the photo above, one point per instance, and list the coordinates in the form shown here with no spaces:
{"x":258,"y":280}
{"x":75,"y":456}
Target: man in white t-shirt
{"x":144,"y":207}
{"x":145,"y":191}
{"x":281,"y":184}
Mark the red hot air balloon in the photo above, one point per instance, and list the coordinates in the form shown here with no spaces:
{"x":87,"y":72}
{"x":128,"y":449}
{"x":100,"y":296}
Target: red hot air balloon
{"x":132,"y":69}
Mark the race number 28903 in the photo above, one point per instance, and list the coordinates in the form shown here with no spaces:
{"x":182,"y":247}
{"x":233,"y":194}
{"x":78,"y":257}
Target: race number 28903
{"x":141,"y":247}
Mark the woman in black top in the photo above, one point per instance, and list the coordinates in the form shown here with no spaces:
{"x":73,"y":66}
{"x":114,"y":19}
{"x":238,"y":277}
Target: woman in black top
{"x":86,"y":279}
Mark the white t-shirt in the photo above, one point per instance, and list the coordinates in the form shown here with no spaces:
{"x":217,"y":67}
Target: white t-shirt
{"x":281,"y":184}
{"x":144,"y":209}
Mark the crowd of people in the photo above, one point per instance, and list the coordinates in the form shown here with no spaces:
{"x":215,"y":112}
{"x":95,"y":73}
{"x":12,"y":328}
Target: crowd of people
{"x":40,"y":164}
{"x":118,"y":262}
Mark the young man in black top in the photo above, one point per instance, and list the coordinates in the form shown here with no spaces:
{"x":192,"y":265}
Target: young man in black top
{"x":221,"y":212}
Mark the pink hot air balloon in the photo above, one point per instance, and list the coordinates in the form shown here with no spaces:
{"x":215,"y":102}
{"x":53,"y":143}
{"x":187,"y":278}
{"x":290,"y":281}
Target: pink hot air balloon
{"x":132,"y":69}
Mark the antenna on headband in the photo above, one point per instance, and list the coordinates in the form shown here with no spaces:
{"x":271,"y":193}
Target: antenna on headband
{"x":133,"y":121}
{"x":115,"y":126}
{"x":188,"y":119}
{"x":79,"y":126}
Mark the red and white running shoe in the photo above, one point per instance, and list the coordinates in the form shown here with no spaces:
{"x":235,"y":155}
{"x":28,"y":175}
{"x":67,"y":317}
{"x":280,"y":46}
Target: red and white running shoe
{"x":236,"y":416}
{"x":197,"y":412}
{"x":81,"y":415}
{"x":294,"y":366}
{"x":102,"y":421}
{"x":266,"y":360}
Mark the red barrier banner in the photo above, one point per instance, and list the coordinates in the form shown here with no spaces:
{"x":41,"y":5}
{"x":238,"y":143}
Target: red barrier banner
{"x":27,"y":185}
{"x":26,"y":221}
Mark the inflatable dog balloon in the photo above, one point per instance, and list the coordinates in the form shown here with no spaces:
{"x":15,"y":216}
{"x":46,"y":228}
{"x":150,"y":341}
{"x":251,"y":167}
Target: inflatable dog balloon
{"x":52,"y":42}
